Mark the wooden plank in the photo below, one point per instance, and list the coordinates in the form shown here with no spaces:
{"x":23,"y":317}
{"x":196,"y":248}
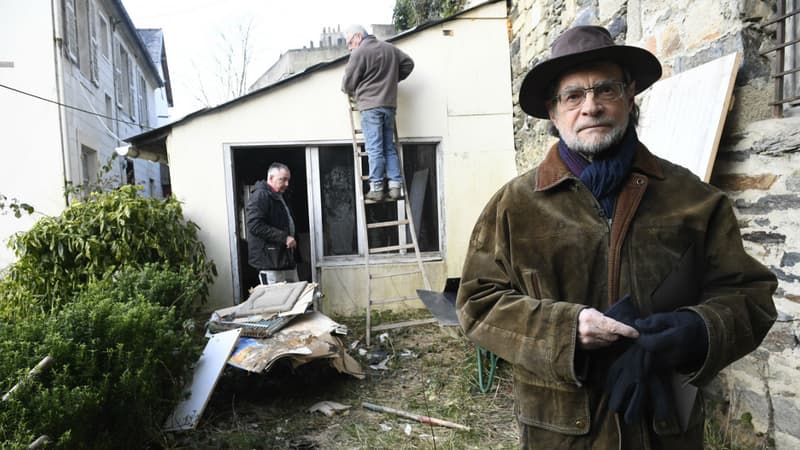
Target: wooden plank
{"x":206,"y":373}
{"x":390,"y":248}
{"x":392,"y":223}
{"x":683,"y":116}
{"x":409,"y":323}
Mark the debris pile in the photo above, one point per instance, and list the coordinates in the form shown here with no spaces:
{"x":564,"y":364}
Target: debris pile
{"x":277,"y":321}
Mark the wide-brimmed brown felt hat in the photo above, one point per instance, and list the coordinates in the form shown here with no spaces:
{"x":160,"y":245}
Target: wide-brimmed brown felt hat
{"x":583,"y":44}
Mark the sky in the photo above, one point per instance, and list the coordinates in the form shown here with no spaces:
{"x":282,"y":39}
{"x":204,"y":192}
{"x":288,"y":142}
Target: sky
{"x":193,"y":31}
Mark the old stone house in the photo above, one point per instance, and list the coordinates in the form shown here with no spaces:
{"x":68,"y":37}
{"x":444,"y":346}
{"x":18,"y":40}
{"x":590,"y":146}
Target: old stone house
{"x":758,"y":163}
{"x":77,"y":77}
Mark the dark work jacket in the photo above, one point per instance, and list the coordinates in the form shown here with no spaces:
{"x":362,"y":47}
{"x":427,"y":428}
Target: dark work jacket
{"x":267,"y":230}
{"x":542,"y":250}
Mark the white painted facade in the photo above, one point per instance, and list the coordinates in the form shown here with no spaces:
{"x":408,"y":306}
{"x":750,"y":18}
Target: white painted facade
{"x":457,"y":102}
{"x":47,"y":145}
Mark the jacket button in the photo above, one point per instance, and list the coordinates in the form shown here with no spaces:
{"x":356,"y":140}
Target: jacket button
{"x":580,"y":423}
{"x":639,"y":181}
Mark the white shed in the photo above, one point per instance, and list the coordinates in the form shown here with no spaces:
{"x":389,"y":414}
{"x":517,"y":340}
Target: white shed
{"x":454,"y":119}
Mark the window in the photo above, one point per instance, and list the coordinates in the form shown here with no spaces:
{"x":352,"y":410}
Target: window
{"x":141,"y":91}
{"x":104,"y":47}
{"x":109,"y":111}
{"x":88,"y":165}
{"x":71,"y":30}
{"x":785,"y":69}
{"x":130,"y":172}
{"x":340,"y":232}
{"x":80,"y":20}
{"x":338,"y":198}
{"x":124,"y":81}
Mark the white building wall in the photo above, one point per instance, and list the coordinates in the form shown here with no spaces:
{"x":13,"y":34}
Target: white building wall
{"x":43,"y":141}
{"x":32,"y":166}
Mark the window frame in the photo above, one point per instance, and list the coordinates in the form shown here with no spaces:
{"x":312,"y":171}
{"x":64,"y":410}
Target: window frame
{"x":315,"y":203}
{"x":104,"y":41}
{"x":141,"y":93}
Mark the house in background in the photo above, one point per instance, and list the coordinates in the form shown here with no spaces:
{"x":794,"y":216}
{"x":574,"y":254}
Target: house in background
{"x":76,"y":79}
{"x":332,"y":45}
{"x":454,"y":121}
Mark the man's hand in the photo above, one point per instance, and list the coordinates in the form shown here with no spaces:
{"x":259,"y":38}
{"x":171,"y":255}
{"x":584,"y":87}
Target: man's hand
{"x":290,"y":242}
{"x":596,"y":330}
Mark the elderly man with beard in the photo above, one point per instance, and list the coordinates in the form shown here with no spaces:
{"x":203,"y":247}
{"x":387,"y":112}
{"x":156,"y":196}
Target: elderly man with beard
{"x":606,"y":273}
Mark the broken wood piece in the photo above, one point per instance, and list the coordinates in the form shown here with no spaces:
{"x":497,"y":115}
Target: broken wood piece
{"x":328,"y":408}
{"x":417,"y":417}
{"x":40,"y":441}
{"x":43,"y":364}
{"x":204,"y":379}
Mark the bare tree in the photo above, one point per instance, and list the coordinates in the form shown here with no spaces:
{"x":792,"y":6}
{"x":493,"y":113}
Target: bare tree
{"x":227,"y":78}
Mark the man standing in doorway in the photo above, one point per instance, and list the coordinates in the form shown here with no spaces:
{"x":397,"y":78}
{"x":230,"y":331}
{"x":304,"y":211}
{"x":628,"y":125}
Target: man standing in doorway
{"x":271,"y":240}
{"x":371,"y":76}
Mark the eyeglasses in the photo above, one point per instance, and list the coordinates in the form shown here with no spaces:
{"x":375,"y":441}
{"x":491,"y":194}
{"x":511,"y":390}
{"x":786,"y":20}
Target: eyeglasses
{"x":604,"y":91}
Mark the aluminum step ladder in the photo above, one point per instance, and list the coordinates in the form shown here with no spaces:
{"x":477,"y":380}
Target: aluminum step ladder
{"x":405,"y":222}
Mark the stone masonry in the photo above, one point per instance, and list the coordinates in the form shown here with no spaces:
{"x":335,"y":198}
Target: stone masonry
{"x":758,"y":162}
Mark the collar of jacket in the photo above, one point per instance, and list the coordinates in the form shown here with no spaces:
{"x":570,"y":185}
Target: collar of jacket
{"x":274,"y":194}
{"x":553,"y":171}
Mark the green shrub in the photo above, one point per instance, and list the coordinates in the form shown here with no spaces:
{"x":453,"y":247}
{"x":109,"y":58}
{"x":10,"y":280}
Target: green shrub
{"x":91,"y":240}
{"x":118,"y":371}
{"x":107,"y":289}
{"x":155,"y":283}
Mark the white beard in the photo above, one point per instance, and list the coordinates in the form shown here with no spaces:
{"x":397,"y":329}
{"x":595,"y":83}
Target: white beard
{"x":598,"y":146}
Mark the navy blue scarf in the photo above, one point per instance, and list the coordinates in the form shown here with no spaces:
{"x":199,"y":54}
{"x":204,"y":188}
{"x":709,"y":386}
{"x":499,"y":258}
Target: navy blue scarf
{"x":605,"y":174}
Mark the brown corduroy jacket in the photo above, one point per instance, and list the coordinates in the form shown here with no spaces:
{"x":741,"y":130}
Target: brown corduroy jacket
{"x":542,"y":251}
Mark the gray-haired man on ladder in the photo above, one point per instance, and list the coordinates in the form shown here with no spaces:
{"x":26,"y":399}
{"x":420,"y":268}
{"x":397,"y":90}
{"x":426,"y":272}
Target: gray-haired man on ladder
{"x":371,"y":76}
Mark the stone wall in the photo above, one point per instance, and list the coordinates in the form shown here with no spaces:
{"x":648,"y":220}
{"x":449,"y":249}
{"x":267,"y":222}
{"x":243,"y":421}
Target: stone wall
{"x":758,"y":162}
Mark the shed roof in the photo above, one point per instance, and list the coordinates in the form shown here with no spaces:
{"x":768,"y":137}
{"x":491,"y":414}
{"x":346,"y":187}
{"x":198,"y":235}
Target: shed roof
{"x":154,"y":141}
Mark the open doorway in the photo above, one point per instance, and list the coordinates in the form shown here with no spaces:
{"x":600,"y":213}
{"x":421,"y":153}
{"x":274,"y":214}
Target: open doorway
{"x":250,"y":165}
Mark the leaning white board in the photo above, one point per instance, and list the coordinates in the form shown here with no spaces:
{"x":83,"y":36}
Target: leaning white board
{"x":682,"y":117}
{"x":206,"y":373}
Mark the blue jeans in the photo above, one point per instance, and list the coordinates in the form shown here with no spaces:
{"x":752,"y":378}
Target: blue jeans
{"x":378,"y":127}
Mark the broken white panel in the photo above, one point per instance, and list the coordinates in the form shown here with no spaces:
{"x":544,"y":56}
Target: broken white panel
{"x":206,"y":373}
{"x":683,"y":115}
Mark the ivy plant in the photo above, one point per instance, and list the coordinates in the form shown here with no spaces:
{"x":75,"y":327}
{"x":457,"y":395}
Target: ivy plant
{"x":91,"y":240}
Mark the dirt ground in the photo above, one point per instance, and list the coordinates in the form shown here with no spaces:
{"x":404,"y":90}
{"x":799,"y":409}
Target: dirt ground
{"x":432,"y":371}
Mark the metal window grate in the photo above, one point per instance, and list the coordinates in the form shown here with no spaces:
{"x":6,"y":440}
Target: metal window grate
{"x":786,"y":64}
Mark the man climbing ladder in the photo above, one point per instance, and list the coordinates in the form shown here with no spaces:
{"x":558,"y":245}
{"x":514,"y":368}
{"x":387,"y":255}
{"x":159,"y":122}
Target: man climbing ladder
{"x":371,"y":77}
{"x":405,"y":219}
{"x":370,"y":80}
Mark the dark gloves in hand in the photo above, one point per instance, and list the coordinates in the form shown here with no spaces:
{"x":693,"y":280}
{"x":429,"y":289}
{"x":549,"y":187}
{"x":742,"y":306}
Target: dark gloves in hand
{"x":623,"y":311}
{"x":626,"y":383}
{"x":633,"y":385}
{"x":632,"y":382}
{"x":626,"y":379}
{"x":678,"y":340}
